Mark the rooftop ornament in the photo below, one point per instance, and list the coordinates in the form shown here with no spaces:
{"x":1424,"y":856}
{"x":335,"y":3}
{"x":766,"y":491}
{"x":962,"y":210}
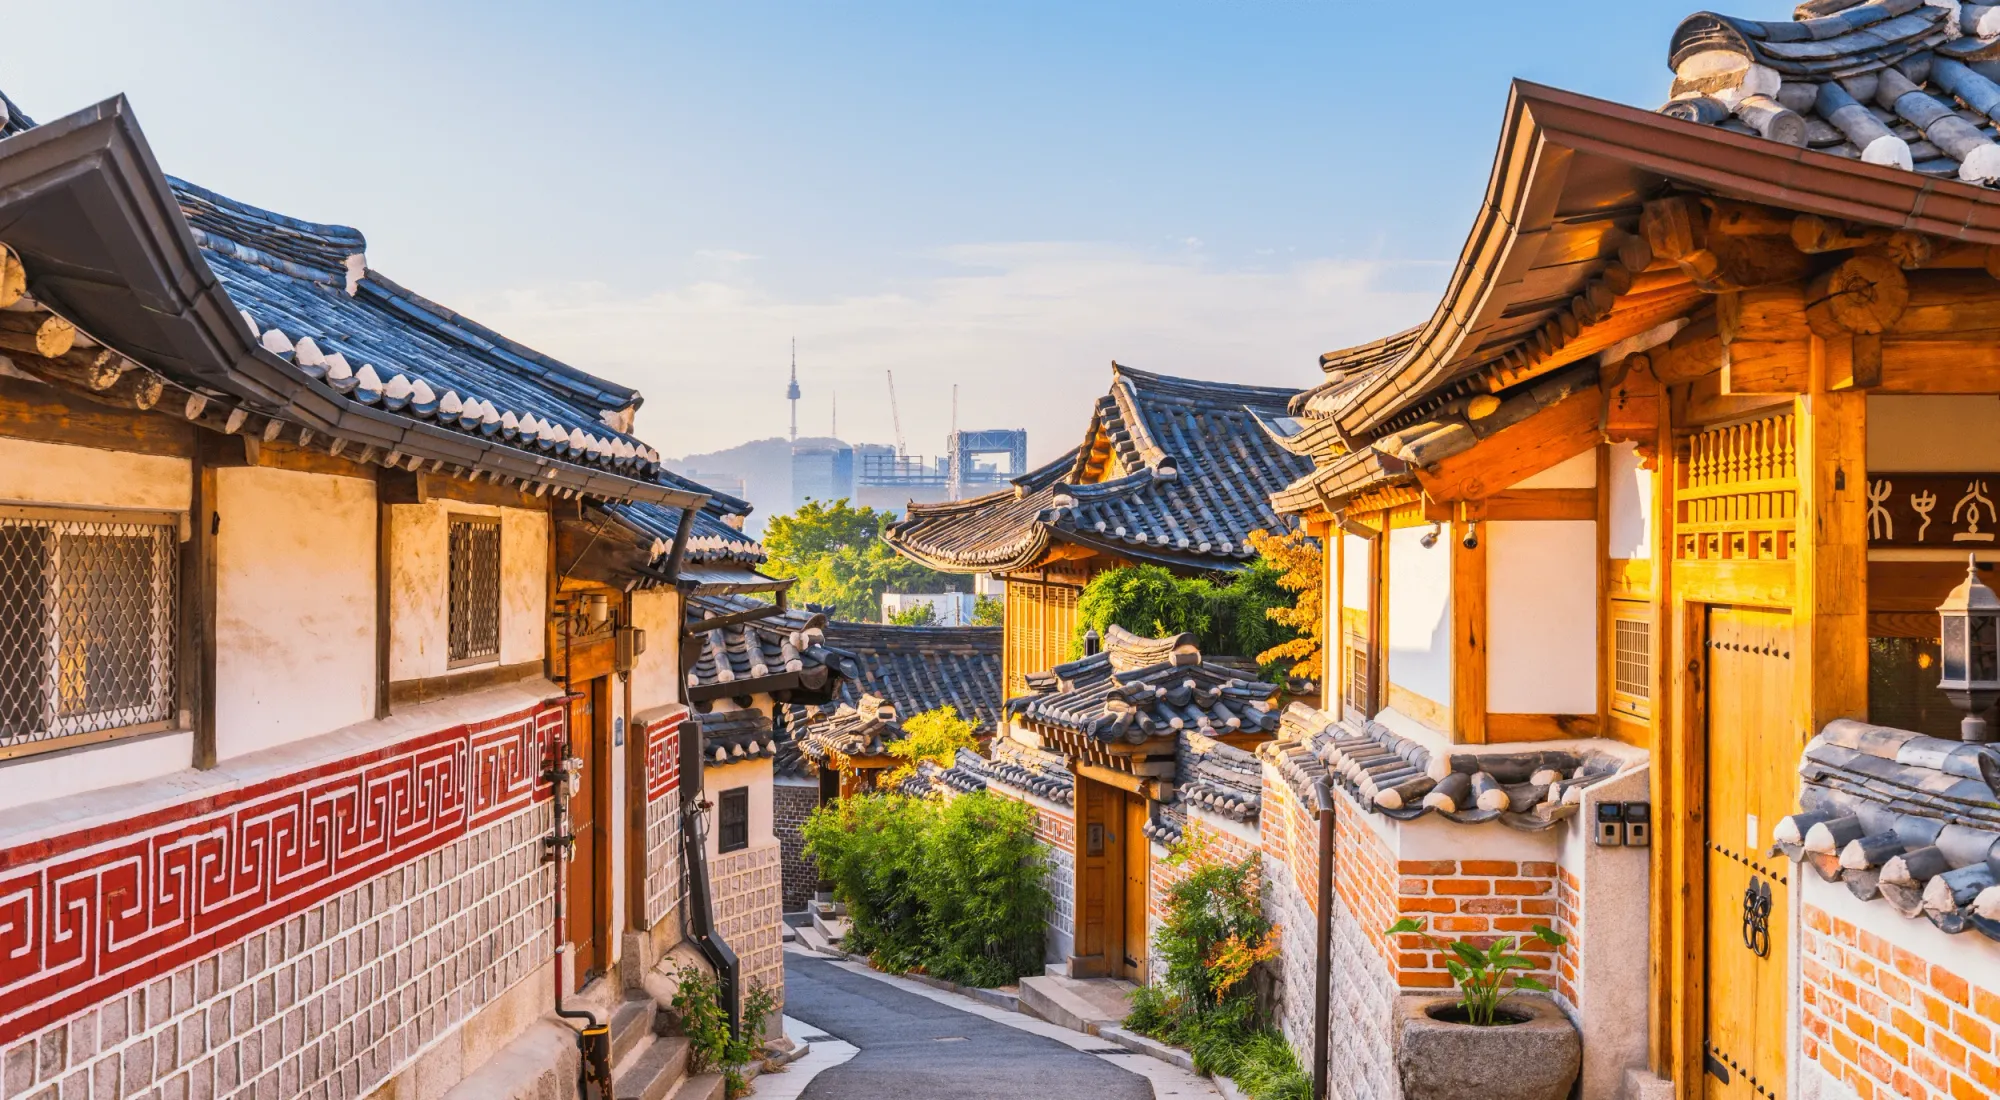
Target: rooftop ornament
{"x":1969,"y":629}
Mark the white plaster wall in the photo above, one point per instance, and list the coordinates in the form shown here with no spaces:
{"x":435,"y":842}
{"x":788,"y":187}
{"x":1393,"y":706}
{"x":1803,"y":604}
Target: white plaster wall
{"x":419,"y":536}
{"x":295,"y":606}
{"x":1613,"y":969}
{"x":1354,"y":572}
{"x":656,"y":677}
{"x":55,"y":473}
{"x":1541,"y":617}
{"x":754,"y":774}
{"x":1574,"y":472}
{"x":1420,"y":614}
{"x":1933,"y":434}
{"x":94,"y":767}
{"x":1631,"y":533}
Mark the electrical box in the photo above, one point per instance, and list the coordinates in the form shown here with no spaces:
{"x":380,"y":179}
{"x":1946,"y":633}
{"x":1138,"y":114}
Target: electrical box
{"x":1611,"y":824}
{"x":631,"y":643}
{"x":1638,"y":824}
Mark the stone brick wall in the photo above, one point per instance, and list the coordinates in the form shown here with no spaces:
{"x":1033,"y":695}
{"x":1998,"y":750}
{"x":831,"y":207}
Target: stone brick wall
{"x":663,"y":807}
{"x":1057,"y":832}
{"x":1887,"y":1022}
{"x":791,"y":804}
{"x":748,"y":885}
{"x":330,"y":1002}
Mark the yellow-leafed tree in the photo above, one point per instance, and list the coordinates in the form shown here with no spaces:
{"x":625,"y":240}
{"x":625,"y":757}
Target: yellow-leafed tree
{"x":1301,"y":572}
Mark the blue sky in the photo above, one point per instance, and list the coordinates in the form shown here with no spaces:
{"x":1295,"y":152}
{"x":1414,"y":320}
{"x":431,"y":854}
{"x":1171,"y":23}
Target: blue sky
{"x":999,"y":196}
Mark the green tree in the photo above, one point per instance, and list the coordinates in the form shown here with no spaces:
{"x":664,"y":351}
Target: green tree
{"x":987,"y":611}
{"x":934,"y":735}
{"x":1248,"y":613}
{"x":917,"y":614}
{"x":837,"y":553}
{"x":1147,"y":600}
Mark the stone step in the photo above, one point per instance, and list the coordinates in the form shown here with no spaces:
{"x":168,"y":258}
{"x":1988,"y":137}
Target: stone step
{"x":653,"y":1071}
{"x":811,"y":937}
{"x":631,"y":1023}
{"x":1086,"y":1005}
{"x":704,"y":1086}
{"x":832,"y":929}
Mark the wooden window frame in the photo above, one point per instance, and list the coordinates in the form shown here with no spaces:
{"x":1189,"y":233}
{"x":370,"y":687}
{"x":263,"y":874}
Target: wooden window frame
{"x":453,"y":522}
{"x":727,"y":805}
{"x":1626,"y":703}
{"x":168,"y":627}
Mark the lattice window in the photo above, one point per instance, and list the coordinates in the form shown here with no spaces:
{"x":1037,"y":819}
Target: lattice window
{"x":1631,"y":664}
{"x":474,"y":601}
{"x":1356,"y":684}
{"x":88,"y":616}
{"x":1059,"y":625}
{"x":732,"y":827}
{"x":1736,"y":492}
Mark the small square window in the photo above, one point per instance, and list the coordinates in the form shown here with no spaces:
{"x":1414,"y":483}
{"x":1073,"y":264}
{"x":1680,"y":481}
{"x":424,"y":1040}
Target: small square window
{"x":474,"y":589}
{"x":733,"y":819}
{"x":1631,"y":666}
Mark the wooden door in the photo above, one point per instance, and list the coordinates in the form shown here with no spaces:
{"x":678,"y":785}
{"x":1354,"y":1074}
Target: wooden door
{"x":1752,"y":782}
{"x":585,"y":896}
{"x":1100,"y":871}
{"x":1138,"y":869}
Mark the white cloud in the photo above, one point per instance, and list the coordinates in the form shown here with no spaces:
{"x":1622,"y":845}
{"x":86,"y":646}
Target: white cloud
{"x":1027,"y":331}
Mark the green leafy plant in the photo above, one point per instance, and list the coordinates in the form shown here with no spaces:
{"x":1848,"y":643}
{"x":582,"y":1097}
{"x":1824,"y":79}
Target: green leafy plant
{"x":1144,"y":599}
{"x":1481,"y":971}
{"x":954,"y":888}
{"x":1254,"y":612}
{"x":987,"y":611}
{"x":705,"y":1021}
{"x":917,"y":614}
{"x":837,"y":553}
{"x":936,"y":736}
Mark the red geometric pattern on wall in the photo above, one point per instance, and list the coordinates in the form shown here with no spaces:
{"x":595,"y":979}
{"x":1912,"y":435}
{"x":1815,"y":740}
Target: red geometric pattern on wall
{"x":663,"y":754}
{"x":88,"y":915}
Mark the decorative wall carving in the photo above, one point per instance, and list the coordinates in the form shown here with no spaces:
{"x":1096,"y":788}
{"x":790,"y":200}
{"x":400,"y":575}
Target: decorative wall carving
{"x":1935,"y":511}
{"x":88,"y":915}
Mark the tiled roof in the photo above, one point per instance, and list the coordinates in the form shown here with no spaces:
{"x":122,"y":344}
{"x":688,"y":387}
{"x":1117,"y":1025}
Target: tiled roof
{"x":1138,"y":688}
{"x":712,"y":541}
{"x":922,"y":668}
{"x":784,"y":651}
{"x":1392,"y":775}
{"x":1013,"y":765}
{"x":860,"y":728}
{"x":1218,"y":778}
{"x":1902,"y":817}
{"x":1194,"y":470}
{"x":1907,"y":83}
{"x":728,"y":736}
{"x":12,"y":121}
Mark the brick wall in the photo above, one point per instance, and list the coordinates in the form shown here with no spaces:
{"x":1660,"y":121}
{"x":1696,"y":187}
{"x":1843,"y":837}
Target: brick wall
{"x":663,"y":806}
{"x":748,"y":885}
{"x":1057,"y":833}
{"x":791,"y":804}
{"x":1569,"y":922}
{"x":1887,"y":1022}
{"x":1475,"y":900}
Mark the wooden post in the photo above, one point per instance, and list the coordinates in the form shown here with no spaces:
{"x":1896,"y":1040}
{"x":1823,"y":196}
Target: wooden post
{"x":1378,"y":619}
{"x":1669,"y":833}
{"x":198,"y":608}
{"x":383,"y":511}
{"x":1468,"y":635}
{"x":1605,"y":654}
{"x":1830,"y":611}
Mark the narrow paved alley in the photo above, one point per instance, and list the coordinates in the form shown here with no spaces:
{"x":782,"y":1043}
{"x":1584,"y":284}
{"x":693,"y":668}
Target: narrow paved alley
{"x":919,"y":1044}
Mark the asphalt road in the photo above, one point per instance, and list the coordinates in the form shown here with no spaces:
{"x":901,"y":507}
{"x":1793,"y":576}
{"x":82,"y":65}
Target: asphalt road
{"x":913,"y":1048}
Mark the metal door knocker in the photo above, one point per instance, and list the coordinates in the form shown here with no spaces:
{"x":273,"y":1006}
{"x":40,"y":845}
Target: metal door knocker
{"x":1757,"y":917}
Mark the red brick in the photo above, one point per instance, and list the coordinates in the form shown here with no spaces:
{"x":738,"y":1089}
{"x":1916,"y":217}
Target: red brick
{"x":1545,"y":870}
{"x":1461,"y":887}
{"x":1427,"y":979}
{"x":1816,"y":919}
{"x":1977,"y":1035}
{"x":1539,"y":908}
{"x":1426,"y":905}
{"x":1893,"y":1045}
{"x":1487,"y":867}
{"x":1461,"y":924}
{"x":1953,"y":987}
{"x":1962,"y":1089}
{"x":1411,"y":886}
{"x":1949,"y":1050}
{"x":1427,"y":867}
{"x":1876,"y":1066}
{"x":1489,"y":905}
{"x":1521,"y":887}
{"x":1862,"y":1027}
{"x":1907,"y":1024}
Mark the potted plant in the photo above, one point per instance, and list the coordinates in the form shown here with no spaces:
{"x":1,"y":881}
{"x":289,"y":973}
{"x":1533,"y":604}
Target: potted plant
{"x":1484,"y":1042}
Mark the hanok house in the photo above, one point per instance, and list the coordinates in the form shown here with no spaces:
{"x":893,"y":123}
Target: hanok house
{"x":1653,"y":517}
{"x":910,"y":670}
{"x":333,"y":755}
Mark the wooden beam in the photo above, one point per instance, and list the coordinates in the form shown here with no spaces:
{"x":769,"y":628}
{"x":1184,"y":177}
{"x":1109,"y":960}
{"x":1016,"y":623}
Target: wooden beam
{"x":1830,"y":597}
{"x":1563,"y":430}
{"x":429,"y":689}
{"x":1468,"y":637}
{"x":384,"y":561}
{"x":47,"y":414}
{"x":404,"y":487}
{"x":199,"y":592}
{"x":1110,"y":777}
{"x":1605,"y":655}
{"x":1514,"y":728}
{"x":288,"y":456}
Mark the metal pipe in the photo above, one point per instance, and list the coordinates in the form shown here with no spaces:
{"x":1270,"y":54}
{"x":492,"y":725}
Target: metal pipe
{"x":1323,"y":937}
{"x":593,"y":1041}
{"x":698,"y":909}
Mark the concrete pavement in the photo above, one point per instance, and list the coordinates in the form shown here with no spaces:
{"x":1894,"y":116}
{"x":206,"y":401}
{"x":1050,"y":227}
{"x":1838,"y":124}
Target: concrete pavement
{"x":918,"y":1043}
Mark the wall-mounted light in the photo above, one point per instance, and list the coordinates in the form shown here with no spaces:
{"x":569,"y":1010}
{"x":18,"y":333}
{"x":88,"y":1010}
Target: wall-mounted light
{"x":1471,"y":541}
{"x":597,"y":606}
{"x":1430,"y":538}
{"x":1969,"y":637}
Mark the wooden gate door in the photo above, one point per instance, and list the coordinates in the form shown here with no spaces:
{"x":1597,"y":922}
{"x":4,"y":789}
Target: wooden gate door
{"x":1138,"y":869}
{"x":1752,"y":782}
{"x":1100,"y":871}
{"x":584,"y":897}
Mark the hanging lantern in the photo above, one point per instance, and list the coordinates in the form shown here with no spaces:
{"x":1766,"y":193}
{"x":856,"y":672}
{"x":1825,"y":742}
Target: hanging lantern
{"x":1969,"y":633}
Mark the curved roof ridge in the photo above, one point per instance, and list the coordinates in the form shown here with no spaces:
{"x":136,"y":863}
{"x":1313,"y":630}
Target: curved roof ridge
{"x":1154,"y":380}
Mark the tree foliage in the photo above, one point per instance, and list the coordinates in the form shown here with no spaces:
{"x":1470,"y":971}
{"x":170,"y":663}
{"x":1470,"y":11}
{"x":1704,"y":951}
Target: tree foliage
{"x":1269,"y":610}
{"x":917,"y":614}
{"x":837,"y":552}
{"x":987,"y":611}
{"x":934,"y":735}
{"x":955,"y":888}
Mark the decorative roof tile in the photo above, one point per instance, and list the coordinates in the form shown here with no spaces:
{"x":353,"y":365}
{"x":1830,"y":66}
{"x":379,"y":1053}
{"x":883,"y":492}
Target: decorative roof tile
{"x":922,"y":668}
{"x":1015,"y":766}
{"x":1219,"y":778}
{"x":860,"y":728}
{"x":1906,"y":818}
{"x":1138,"y":688}
{"x":1906,"y":83}
{"x":1193,"y":472}
{"x":785,"y":651}
{"x":732,"y":735}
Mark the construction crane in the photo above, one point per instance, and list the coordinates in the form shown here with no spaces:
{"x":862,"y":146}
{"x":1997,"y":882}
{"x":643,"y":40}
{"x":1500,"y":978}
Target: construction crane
{"x":895,"y":417}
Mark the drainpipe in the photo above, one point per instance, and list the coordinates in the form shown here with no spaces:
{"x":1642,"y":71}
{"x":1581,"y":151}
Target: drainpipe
{"x":698,"y":909}
{"x":593,"y":1042}
{"x":1323,"y":937}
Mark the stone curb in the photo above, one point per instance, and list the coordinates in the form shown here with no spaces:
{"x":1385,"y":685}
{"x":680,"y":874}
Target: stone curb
{"x":1140,"y":1044}
{"x":1010,"y":1002}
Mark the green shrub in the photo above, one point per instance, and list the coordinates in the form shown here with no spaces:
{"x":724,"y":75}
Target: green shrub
{"x":705,"y":1022}
{"x":953,"y":888}
{"x":1229,"y":616}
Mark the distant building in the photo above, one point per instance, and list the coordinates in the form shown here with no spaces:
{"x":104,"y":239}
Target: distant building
{"x":893,"y":481}
{"x":951,"y":608}
{"x":822,"y":472}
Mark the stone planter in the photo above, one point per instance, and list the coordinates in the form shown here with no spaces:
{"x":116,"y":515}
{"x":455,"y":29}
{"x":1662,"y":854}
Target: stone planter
{"x":1438,"y":1059}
